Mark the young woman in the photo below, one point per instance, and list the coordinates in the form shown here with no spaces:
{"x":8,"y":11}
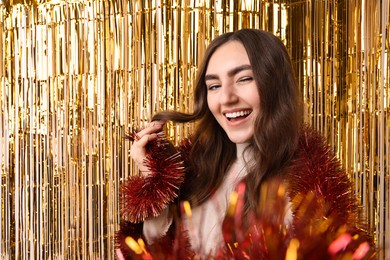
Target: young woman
{"x":287,"y":192}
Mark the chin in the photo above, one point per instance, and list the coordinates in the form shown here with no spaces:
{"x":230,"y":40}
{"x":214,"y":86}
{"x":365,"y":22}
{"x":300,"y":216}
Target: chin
{"x":239,"y":140}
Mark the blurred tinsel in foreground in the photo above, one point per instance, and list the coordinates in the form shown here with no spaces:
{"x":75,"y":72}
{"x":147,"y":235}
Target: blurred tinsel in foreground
{"x":268,"y":237}
{"x":309,"y":213}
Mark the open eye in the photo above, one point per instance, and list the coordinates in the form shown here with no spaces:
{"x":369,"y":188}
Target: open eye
{"x":213,"y":86}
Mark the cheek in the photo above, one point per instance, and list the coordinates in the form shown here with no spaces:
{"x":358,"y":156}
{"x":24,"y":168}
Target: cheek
{"x":211,"y":104}
{"x":256,"y":103}
{"x":254,"y":98}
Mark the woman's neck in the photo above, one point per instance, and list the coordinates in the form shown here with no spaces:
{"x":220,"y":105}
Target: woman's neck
{"x":243,"y":152}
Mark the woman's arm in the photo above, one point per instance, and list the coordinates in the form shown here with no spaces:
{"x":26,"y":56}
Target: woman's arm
{"x":145,"y":199}
{"x":162,"y":168}
{"x":157,"y":227}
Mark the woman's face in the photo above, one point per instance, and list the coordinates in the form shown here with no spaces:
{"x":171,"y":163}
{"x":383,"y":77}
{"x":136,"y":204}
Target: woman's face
{"x":232,"y":94}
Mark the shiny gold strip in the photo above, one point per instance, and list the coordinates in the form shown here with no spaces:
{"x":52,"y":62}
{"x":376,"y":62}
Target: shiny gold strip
{"x":77,"y":75}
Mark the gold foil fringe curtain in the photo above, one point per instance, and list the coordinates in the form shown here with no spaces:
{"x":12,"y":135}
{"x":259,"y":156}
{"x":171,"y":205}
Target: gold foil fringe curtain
{"x":77,"y":75}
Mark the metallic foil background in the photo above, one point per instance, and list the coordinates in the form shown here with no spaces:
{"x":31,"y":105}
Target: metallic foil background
{"x":77,"y":75}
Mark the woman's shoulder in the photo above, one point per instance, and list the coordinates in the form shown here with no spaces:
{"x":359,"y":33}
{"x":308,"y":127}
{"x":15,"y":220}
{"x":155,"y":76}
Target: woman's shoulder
{"x":316,"y":170}
{"x":323,"y":203}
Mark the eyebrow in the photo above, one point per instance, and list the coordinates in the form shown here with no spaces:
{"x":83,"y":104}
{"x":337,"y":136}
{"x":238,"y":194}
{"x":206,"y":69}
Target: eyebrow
{"x":230,"y":73}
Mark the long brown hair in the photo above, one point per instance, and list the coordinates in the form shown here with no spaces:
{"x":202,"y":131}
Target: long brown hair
{"x":276,"y":128}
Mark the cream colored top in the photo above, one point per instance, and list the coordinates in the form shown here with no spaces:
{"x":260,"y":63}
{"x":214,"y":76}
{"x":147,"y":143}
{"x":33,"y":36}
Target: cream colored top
{"x":205,"y":224}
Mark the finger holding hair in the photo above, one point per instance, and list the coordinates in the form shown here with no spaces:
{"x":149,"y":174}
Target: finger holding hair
{"x":143,"y":137}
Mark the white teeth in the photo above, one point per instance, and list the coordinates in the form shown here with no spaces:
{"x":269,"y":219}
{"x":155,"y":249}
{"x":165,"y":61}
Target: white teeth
{"x":237,"y":114}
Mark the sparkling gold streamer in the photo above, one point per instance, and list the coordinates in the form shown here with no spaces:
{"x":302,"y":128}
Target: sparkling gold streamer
{"x":345,"y":78}
{"x":77,"y":75}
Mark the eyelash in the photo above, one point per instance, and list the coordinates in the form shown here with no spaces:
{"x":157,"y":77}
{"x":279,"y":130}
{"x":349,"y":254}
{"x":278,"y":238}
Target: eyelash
{"x":214,"y":86}
{"x":243,"y":79}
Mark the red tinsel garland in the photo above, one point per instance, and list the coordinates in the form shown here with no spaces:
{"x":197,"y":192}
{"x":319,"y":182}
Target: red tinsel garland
{"x":145,"y":197}
{"x":325,"y":220}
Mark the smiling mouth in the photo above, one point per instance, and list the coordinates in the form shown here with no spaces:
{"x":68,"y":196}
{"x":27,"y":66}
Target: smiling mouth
{"x":237,"y":115}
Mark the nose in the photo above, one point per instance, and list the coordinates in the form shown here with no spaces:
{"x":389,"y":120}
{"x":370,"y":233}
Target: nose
{"x":228,"y":95}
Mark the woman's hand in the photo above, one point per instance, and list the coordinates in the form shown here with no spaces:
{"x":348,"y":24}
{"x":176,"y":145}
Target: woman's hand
{"x":138,"y":151}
